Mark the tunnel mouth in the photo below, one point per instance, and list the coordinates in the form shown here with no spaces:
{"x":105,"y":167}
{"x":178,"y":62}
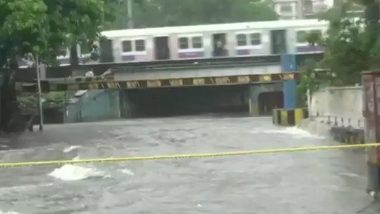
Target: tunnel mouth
{"x":269,"y":101}
{"x":188,"y":101}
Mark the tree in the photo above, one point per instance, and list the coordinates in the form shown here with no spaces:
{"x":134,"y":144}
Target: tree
{"x":351,"y":46}
{"x":42,"y":27}
{"x":155,"y":13}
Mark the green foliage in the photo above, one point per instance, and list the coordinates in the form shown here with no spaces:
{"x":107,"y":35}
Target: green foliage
{"x":55,"y":99}
{"x":314,"y":37}
{"x":351,"y":46}
{"x":153,"y":13}
{"x":347,"y":52}
{"x":308,"y":79}
{"x":28,"y":101}
{"x":45,"y":26}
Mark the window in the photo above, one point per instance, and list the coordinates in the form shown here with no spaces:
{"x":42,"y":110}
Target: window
{"x":127,"y":46}
{"x":301,"y":37}
{"x":140,"y":45}
{"x":286,"y":8}
{"x":183,"y":43}
{"x":241,"y":40}
{"x":255,"y":39}
{"x":197,"y":42}
{"x":308,"y":36}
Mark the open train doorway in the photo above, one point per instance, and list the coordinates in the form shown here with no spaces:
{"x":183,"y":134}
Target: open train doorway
{"x":278,"y":40}
{"x":269,"y":101}
{"x":219,"y":41}
{"x":161,"y":48}
{"x":106,"y":54}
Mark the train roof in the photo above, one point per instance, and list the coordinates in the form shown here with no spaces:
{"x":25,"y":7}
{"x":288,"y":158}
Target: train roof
{"x":164,"y":31}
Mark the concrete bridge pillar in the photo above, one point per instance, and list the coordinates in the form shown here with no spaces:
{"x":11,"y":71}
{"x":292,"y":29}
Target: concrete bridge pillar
{"x":125,"y":104}
{"x":253,"y":99}
{"x":289,"y":65}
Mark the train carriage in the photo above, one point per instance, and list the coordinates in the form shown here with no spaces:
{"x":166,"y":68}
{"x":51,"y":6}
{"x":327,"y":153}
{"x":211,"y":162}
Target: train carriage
{"x":209,"y":41}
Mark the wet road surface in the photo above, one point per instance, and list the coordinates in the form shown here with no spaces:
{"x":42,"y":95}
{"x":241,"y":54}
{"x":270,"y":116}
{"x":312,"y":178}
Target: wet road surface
{"x":315,"y":182}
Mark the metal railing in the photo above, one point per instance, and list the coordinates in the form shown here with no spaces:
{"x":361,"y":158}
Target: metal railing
{"x":339,"y":121}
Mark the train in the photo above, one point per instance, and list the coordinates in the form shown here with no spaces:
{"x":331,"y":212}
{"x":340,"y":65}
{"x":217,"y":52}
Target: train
{"x":204,"y":41}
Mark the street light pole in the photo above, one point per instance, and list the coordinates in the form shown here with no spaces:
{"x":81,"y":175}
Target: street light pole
{"x":40,"y":111}
{"x":130,"y":13}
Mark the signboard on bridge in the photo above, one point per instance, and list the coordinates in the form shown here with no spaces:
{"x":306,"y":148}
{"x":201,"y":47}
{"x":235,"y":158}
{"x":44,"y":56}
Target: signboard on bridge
{"x":98,"y":83}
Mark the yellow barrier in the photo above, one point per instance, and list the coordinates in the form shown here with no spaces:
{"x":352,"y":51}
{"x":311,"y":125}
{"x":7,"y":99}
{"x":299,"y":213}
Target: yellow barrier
{"x":289,"y":117}
{"x":186,"y":156}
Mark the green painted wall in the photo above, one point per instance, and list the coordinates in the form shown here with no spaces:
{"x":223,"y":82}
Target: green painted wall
{"x":95,"y":105}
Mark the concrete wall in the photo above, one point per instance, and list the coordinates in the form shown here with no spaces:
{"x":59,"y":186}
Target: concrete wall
{"x":342,"y":106}
{"x":94,"y":105}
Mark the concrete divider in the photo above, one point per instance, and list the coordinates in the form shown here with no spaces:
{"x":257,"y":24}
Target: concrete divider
{"x":347,"y":135}
{"x":340,"y":109}
{"x":289,"y":117}
{"x":338,"y":106}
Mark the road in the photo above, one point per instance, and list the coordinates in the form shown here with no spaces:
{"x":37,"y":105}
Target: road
{"x":313,"y":182}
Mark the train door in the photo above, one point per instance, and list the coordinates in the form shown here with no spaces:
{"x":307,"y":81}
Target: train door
{"x":219,"y":41}
{"x":106,"y":50}
{"x":278,"y":40}
{"x":161,"y":48}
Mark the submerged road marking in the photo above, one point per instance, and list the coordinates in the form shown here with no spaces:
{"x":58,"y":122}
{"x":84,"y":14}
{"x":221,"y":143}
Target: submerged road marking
{"x":186,"y":156}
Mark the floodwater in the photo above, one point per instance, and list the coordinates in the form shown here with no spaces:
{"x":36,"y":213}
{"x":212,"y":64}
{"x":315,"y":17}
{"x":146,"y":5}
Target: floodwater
{"x":295,"y":183}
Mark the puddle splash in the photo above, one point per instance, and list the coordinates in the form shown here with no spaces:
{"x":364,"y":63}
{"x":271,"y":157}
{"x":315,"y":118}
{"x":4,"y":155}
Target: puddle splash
{"x":9,"y":212}
{"x":294,"y":131}
{"x":71,"y":148}
{"x":70,"y":172}
{"x":127,"y":172}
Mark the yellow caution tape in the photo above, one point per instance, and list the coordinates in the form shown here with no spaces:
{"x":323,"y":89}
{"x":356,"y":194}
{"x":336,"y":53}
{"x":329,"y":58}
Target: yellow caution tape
{"x":186,"y":156}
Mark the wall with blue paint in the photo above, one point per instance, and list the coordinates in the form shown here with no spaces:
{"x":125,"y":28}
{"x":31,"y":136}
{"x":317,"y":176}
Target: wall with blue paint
{"x":95,"y":105}
{"x":289,"y":64}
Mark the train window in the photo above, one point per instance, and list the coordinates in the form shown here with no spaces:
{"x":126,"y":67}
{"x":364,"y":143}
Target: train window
{"x":301,"y":37}
{"x":140,"y":45}
{"x":183,"y":43}
{"x":241,"y":39}
{"x":127,"y":46}
{"x":255,"y":38}
{"x":197,"y":42}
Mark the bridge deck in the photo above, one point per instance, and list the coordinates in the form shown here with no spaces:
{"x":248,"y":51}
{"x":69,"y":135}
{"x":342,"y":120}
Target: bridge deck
{"x":160,"y":74}
{"x":109,"y":83}
{"x":29,"y":74}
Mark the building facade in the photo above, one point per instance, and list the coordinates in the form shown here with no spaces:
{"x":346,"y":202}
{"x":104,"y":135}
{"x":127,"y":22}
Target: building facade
{"x":300,"y":9}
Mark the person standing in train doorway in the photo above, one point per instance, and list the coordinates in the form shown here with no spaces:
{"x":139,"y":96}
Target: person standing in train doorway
{"x":219,"y":48}
{"x":95,"y":53}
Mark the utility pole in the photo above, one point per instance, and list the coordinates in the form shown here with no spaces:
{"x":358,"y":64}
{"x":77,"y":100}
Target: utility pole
{"x":130,"y":13}
{"x":40,"y":110}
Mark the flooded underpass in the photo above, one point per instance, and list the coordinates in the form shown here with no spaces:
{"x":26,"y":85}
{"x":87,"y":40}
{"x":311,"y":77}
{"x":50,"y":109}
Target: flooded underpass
{"x":186,"y":101}
{"x":311,"y":182}
{"x":197,"y":100}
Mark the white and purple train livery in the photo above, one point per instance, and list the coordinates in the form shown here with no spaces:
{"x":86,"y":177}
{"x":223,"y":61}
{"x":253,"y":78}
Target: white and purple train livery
{"x":214,"y":40}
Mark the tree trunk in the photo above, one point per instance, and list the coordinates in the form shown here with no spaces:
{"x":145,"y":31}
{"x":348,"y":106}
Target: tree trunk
{"x":74,"y":56}
{"x":10,"y":114}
